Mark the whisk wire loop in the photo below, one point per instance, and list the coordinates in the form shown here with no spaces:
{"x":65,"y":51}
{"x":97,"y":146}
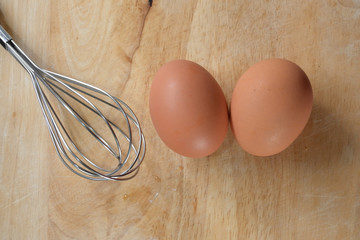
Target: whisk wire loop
{"x":128,"y":161}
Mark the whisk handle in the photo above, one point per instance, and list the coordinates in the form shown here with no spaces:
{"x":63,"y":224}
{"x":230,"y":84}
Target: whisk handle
{"x":4,"y":37}
{"x":8,"y":43}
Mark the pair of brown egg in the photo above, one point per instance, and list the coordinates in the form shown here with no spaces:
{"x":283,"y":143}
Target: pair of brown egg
{"x":270,"y":106}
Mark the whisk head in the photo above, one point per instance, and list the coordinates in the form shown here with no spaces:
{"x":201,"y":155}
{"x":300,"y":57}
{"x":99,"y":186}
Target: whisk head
{"x":96,"y":135}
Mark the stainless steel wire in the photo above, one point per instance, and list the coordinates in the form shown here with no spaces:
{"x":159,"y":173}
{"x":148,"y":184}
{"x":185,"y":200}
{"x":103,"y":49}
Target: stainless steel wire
{"x":67,"y":91}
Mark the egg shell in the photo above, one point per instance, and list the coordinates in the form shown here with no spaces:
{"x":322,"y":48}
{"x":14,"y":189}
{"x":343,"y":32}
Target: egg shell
{"x":188,"y":109}
{"x":270,"y":106}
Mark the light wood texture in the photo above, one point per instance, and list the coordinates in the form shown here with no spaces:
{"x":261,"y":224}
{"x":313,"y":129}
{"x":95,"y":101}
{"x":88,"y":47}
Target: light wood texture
{"x":309,"y":191}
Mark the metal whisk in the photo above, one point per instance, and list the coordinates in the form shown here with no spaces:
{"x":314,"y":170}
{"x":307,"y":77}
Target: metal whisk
{"x":57,"y":91}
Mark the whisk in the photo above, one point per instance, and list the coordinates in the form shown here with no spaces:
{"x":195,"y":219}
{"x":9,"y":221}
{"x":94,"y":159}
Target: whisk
{"x":67,"y":92}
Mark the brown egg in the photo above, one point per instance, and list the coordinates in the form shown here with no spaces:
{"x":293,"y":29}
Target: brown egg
{"x":188,"y":109}
{"x":270,"y":106}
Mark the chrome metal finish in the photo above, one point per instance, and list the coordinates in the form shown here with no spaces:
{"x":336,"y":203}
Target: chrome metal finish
{"x":4,"y":36}
{"x":66,"y":91}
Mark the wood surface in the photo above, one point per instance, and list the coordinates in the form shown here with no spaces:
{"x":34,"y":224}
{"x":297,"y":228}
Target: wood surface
{"x":309,"y":191}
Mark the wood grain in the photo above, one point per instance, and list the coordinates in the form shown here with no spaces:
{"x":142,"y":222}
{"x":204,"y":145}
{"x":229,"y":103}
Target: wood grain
{"x":309,"y":191}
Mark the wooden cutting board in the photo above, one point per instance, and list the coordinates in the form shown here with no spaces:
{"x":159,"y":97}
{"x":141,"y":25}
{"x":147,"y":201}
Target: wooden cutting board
{"x":309,"y":191}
